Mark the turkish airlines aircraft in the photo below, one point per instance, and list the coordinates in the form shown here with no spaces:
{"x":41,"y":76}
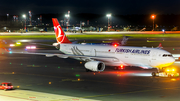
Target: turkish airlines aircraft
{"x":98,"y":56}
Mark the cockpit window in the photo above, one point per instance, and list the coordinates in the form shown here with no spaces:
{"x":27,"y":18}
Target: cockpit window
{"x":164,"y":55}
{"x":170,"y":55}
{"x":167,"y":55}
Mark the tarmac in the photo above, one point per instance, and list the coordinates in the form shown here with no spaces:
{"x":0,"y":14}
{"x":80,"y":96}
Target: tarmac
{"x":38,"y":78}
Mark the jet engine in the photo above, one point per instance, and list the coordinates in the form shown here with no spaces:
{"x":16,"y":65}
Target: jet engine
{"x":97,"y":66}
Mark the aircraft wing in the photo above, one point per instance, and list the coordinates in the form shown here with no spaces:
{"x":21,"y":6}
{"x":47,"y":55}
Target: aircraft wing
{"x":87,"y":58}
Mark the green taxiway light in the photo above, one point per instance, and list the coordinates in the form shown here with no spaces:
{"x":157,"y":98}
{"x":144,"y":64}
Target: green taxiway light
{"x":45,"y":66}
{"x":72,"y":68}
{"x":21,"y":64}
{"x":58,"y":67}
{"x":77,"y":75}
{"x":173,"y":48}
{"x":2,"y":53}
{"x":10,"y":63}
{"x":33,"y":65}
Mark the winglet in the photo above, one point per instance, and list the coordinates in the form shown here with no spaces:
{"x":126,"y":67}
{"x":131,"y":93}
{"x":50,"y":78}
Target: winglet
{"x":60,"y":35}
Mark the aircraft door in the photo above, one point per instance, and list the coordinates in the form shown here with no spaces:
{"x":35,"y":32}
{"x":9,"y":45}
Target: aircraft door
{"x":153,"y":58}
{"x":126,"y":55}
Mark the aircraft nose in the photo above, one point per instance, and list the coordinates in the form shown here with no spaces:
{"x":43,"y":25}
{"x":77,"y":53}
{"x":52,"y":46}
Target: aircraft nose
{"x":172,"y":59}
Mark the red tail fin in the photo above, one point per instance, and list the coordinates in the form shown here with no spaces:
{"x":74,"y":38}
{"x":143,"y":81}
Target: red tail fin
{"x":160,"y":46}
{"x":60,"y":35}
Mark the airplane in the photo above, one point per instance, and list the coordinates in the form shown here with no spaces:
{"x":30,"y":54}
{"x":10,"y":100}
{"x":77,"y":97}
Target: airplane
{"x":97,"y":57}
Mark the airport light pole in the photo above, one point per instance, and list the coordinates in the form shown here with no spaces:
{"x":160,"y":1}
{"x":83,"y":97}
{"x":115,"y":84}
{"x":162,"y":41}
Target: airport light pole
{"x":108,"y":15}
{"x":38,"y":21}
{"x":24,"y":16}
{"x":67,"y":23}
{"x":153,"y":17}
{"x":7,"y":18}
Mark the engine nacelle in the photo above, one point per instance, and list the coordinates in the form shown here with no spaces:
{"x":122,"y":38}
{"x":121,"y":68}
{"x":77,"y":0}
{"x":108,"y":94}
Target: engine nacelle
{"x":97,"y":66}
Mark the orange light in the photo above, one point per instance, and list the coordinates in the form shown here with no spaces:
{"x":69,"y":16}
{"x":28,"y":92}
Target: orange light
{"x":153,"y":16}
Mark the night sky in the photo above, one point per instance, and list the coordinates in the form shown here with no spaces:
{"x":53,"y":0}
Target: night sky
{"x":121,"y":7}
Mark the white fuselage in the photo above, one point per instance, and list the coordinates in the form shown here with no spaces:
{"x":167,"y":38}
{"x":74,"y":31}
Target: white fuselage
{"x":126,"y":55}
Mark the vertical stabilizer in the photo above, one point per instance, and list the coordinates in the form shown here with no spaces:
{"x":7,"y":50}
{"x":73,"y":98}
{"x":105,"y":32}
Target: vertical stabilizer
{"x":60,"y":35}
{"x":160,"y":46}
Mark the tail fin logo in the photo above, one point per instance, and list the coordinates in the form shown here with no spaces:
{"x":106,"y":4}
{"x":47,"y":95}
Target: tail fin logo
{"x":160,"y":46}
{"x":59,"y":36}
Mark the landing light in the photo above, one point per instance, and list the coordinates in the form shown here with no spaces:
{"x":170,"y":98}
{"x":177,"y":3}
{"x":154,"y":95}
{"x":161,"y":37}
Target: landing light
{"x":170,"y":70}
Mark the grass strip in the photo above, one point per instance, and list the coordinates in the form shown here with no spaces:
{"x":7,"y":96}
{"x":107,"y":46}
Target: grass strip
{"x":89,"y":36}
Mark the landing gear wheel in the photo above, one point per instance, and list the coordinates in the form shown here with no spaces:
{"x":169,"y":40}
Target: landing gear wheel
{"x":153,"y":74}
